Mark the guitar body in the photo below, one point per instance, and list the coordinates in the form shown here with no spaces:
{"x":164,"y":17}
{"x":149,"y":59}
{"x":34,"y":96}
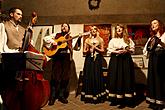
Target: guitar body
{"x":60,"y":44}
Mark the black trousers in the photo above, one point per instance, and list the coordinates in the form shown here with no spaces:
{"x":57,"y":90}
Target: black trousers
{"x":61,"y":66}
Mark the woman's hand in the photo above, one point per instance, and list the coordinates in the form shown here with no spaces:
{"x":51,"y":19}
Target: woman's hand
{"x":92,"y":48}
{"x":122,"y":51}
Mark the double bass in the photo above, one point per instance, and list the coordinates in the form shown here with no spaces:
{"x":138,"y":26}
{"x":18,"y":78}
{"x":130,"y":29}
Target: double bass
{"x":31,"y":91}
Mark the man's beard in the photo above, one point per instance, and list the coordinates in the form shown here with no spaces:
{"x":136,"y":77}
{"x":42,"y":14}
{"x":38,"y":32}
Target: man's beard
{"x":19,"y":21}
{"x":63,"y":33}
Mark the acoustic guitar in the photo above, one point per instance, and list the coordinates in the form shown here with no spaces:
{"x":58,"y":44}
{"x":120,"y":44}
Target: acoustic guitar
{"x":61,"y":43}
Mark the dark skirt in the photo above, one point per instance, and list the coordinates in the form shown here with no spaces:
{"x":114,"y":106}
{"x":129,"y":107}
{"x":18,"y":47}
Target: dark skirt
{"x":93,"y":88}
{"x":121,"y":76}
{"x":156,"y":75}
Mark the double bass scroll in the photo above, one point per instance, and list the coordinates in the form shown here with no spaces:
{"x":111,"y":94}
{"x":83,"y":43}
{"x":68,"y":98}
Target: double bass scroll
{"x":26,"y":45}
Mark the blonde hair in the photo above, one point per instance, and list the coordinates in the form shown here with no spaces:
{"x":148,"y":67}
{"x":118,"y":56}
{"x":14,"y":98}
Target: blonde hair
{"x":124,"y":34}
{"x":97,"y":35}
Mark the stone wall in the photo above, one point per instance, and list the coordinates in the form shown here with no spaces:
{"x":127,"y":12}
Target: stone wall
{"x":52,"y":12}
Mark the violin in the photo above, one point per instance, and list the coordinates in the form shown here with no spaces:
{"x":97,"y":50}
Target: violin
{"x":152,"y":44}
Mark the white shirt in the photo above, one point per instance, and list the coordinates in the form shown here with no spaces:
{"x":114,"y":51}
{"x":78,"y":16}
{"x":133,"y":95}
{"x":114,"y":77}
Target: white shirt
{"x":116,"y":43}
{"x":3,"y":40}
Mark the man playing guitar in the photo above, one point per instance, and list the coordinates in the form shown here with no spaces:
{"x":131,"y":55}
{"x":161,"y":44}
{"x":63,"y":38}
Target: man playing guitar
{"x":61,"y":61}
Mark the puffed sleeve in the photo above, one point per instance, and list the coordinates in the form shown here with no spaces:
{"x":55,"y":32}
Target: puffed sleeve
{"x":110,"y":48}
{"x":145,"y":52}
{"x":163,"y":38}
{"x":132,"y":45}
{"x":49,"y":40}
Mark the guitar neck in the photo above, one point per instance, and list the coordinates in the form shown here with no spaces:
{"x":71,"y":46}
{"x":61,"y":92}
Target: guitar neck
{"x":69,"y":39}
{"x":86,"y":33}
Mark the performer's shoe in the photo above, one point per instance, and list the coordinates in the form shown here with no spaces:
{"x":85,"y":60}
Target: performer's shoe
{"x":63,"y":100}
{"x":51,"y":101}
{"x":114,"y":103}
{"x":153,"y":106}
{"x":160,"y":107}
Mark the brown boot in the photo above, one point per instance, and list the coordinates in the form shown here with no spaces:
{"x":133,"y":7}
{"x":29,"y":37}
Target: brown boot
{"x":51,"y":101}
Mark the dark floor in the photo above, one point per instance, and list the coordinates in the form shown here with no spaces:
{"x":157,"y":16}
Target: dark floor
{"x":76,"y":104}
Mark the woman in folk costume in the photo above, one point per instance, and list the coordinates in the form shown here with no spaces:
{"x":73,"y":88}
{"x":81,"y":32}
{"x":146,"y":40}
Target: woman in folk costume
{"x":155,"y":47}
{"x":93,"y":88}
{"x":121,"y":79}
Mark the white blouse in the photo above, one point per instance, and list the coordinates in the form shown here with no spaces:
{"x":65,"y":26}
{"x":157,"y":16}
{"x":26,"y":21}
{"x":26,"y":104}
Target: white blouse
{"x":117,"y":43}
